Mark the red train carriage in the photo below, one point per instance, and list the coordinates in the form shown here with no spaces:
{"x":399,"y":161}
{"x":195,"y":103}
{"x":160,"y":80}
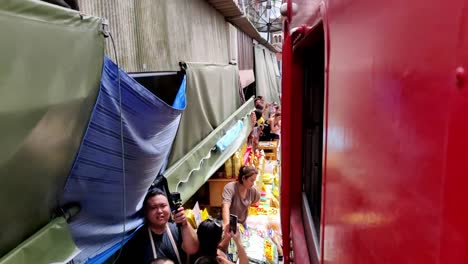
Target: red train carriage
{"x":375,"y":131}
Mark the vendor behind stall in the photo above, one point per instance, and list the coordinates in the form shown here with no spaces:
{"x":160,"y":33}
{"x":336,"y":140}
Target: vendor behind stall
{"x":238,"y":196}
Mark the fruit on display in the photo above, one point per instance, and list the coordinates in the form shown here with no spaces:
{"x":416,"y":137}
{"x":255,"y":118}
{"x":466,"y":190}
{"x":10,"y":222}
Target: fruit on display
{"x":276,"y":192}
{"x":268,"y":178}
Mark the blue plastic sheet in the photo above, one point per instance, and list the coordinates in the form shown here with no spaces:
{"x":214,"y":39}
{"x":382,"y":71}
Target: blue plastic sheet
{"x":96,"y":179}
{"x":180,"y":101}
{"x":102,"y":257}
{"x":230,"y":136}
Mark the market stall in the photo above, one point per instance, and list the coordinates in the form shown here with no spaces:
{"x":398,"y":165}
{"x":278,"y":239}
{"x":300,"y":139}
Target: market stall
{"x":263,"y":235}
{"x":262,"y":232}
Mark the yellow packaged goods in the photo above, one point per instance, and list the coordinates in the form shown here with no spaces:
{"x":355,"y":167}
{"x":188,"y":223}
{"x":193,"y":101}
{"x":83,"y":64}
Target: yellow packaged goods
{"x":273,"y":211}
{"x":190,"y":218}
{"x":276,"y":192}
{"x":236,"y":160}
{"x":256,"y":211}
{"x":259,"y":210}
{"x":204,"y":214}
{"x":267,"y":178}
{"x":252,"y":211}
{"x":274,"y":202}
{"x":228,"y":168}
{"x":270,"y":249}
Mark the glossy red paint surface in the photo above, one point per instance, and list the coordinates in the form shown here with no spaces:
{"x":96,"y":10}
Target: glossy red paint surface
{"x":291,"y":215}
{"x":286,"y":154}
{"x":307,"y":13}
{"x":396,"y":184}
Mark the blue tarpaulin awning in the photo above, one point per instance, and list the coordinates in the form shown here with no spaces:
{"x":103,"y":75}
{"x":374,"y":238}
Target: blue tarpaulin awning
{"x":96,"y":180}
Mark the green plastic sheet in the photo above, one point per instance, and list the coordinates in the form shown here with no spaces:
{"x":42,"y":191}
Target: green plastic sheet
{"x":51,"y":63}
{"x":212,"y":96}
{"x":196,"y":167}
{"x":266,"y":76}
{"x":43,"y":247}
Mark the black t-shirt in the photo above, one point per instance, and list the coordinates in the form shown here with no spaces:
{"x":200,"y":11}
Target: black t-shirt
{"x":138,"y":249}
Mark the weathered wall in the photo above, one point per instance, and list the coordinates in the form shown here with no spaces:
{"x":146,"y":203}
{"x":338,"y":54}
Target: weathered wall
{"x":245,"y":51}
{"x":154,"y":35}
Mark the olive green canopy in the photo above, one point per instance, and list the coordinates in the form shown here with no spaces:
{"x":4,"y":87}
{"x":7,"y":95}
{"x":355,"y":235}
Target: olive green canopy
{"x":196,"y":167}
{"x":213,"y":107}
{"x":53,"y":243}
{"x":51,"y":62}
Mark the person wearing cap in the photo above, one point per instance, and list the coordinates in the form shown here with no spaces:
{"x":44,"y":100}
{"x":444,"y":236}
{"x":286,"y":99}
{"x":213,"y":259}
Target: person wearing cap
{"x":239,"y":195}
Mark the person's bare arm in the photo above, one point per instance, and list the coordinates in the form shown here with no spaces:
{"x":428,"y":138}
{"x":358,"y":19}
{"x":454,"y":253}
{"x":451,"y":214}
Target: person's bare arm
{"x":242,"y":255}
{"x":190,"y":242}
{"x":273,"y":128}
{"x":225,"y":212}
{"x":224,"y":244}
{"x":223,"y":260}
{"x":256,"y":197}
{"x":228,"y":193}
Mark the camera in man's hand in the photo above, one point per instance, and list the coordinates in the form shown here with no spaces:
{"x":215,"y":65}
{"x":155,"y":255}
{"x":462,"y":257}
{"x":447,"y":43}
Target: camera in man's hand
{"x":176,"y":200}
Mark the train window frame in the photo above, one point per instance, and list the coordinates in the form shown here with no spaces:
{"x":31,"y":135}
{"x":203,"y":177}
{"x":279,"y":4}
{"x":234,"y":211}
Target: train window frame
{"x":312,"y":54}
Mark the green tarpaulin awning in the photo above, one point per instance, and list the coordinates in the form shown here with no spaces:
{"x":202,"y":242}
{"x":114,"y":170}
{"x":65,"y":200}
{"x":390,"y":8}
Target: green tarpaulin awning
{"x":53,"y":243}
{"x":212,"y":94}
{"x":266,"y":74}
{"x":196,"y":167}
{"x":51,"y":62}
{"x":213,"y":107}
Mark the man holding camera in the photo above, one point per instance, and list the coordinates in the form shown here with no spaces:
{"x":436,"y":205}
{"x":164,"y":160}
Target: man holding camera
{"x":159,"y":238}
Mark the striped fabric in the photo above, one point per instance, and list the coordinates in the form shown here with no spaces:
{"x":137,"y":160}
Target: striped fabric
{"x":96,"y":179}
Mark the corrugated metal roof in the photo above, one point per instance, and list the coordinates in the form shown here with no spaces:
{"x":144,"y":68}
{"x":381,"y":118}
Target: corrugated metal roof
{"x":233,"y":14}
{"x":155,"y":35}
{"x":228,"y":8}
